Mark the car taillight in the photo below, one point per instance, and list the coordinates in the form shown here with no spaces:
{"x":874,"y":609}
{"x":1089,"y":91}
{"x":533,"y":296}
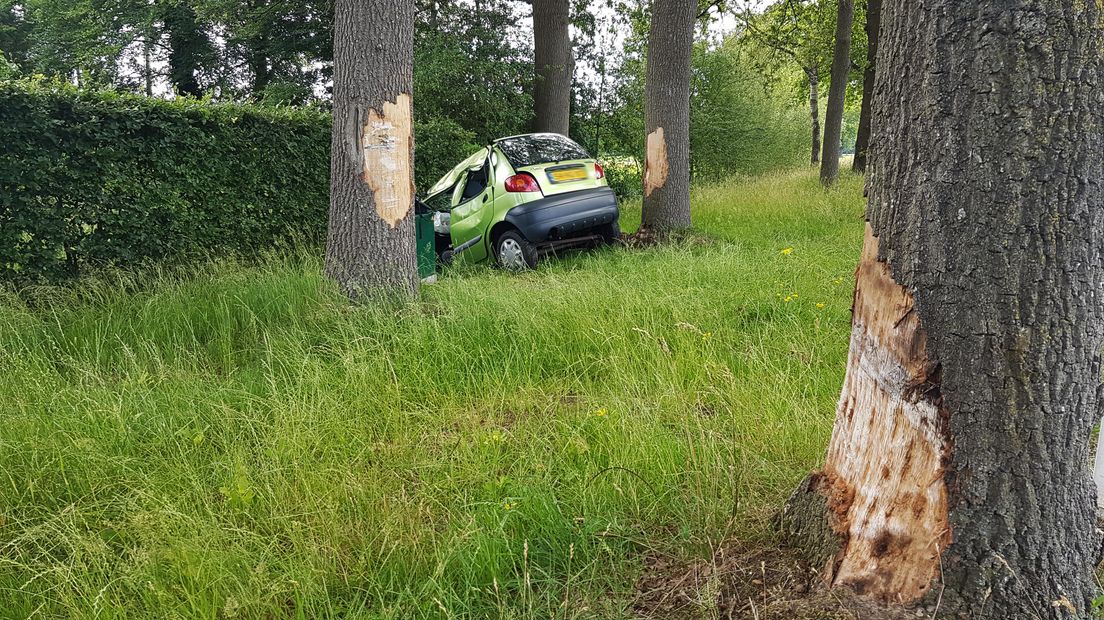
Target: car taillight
{"x":599,"y":171}
{"x":523,"y":182}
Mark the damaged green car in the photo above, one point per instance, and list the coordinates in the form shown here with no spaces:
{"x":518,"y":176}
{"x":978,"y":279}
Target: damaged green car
{"x":521,"y":198}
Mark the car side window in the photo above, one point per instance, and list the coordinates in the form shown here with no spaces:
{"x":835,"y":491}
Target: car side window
{"x":477,"y":181}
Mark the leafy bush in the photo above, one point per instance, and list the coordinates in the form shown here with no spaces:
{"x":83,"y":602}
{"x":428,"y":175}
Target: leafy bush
{"x":624,"y":175}
{"x":739,"y":124}
{"x":101,"y":178}
{"x":439,"y":144}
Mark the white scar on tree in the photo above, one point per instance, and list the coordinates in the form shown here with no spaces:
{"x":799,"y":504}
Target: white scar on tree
{"x":884,"y":474}
{"x":387,"y":139}
{"x":655,"y":162}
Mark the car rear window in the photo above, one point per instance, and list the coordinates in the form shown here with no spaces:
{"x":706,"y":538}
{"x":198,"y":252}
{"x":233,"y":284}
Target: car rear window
{"x":540,"y":149}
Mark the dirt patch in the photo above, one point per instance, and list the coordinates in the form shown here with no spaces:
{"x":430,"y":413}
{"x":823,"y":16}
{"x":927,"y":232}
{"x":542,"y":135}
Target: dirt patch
{"x":752,"y":583}
{"x":646,"y":238}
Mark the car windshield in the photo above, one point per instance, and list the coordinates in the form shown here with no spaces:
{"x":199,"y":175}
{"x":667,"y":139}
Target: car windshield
{"x":540,"y":149}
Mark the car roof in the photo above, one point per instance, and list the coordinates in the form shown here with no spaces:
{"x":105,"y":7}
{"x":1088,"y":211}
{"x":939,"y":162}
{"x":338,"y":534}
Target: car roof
{"x":449,"y":179}
{"x":528,"y":135}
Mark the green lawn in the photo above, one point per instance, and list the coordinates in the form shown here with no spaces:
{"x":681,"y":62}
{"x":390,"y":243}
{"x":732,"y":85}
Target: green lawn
{"x":242,"y":443}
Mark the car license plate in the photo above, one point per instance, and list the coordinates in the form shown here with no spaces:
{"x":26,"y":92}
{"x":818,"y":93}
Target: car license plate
{"x":564,"y":175}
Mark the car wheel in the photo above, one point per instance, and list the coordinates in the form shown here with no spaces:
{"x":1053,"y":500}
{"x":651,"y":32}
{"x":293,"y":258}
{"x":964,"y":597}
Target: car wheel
{"x":514,"y":252}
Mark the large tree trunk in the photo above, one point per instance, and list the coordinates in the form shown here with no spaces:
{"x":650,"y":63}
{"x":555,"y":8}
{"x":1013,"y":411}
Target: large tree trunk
{"x":370,"y":245}
{"x":837,"y":93}
{"x":862,"y":138}
{"x":814,"y":110}
{"x":958,"y":470}
{"x":667,"y":117}
{"x":555,"y":65}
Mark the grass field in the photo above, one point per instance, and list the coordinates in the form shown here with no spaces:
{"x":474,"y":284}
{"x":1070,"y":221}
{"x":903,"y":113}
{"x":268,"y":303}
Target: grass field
{"x":239,"y":442}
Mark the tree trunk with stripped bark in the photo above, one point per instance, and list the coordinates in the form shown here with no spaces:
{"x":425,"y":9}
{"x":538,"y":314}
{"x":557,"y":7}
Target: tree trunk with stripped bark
{"x":370,"y":240}
{"x":957,"y":477}
{"x":666,"y":205}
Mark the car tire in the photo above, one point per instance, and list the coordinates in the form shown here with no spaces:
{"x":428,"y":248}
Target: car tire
{"x":514,"y":252}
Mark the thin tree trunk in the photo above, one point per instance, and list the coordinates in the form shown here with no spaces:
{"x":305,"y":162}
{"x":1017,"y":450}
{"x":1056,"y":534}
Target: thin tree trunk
{"x":370,"y":242}
{"x":667,"y":117}
{"x":862,"y":138}
{"x":147,"y":69}
{"x":958,"y":471}
{"x":554,"y":64}
{"x":837,"y":93}
{"x":814,"y":111}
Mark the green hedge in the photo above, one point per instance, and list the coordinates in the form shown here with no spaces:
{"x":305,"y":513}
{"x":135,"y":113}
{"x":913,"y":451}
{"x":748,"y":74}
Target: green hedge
{"x":101,"y":178}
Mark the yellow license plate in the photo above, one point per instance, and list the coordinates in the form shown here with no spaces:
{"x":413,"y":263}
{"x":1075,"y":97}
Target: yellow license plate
{"x":570,"y":174}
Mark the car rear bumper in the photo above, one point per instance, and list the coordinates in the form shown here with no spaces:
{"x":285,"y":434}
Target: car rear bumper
{"x":565,"y":216}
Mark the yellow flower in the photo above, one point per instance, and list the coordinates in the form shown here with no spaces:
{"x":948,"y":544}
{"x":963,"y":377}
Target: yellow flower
{"x":820,"y":304}
{"x":601,"y":413}
{"x":788,"y":299}
{"x":508,"y":506}
{"x":786,"y":251}
{"x":707,"y":335}
{"x":496,"y":437}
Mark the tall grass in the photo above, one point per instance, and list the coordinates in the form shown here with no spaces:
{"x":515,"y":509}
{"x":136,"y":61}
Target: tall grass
{"x":240,"y":442}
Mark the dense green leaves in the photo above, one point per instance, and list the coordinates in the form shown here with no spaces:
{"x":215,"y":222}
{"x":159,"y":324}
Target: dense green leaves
{"x":96,"y":179}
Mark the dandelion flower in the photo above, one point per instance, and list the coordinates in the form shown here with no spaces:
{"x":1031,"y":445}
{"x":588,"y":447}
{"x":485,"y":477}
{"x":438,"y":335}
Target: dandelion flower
{"x":707,"y":335}
{"x":820,"y":304}
{"x":508,"y":506}
{"x":601,"y":413}
{"x":786,"y":251}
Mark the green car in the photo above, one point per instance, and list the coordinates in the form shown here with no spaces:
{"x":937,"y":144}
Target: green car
{"x":520,"y":198}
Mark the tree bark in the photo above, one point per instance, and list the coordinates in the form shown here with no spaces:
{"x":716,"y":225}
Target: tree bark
{"x":837,"y":93}
{"x":814,"y":111}
{"x":555,"y":65}
{"x":370,"y":242}
{"x":862,"y":138}
{"x":957,"y":476}
{"x":666,"y":205}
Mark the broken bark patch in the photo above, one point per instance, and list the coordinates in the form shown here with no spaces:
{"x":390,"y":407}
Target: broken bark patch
{"x":655,"y":162}
{"x":883,"y":485}
{"x":388,"y":142}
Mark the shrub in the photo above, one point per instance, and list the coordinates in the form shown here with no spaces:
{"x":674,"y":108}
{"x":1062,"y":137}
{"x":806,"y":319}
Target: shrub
{"x":624,"y":175}
{"x":439,"y":145}
{"x":102,"y":178}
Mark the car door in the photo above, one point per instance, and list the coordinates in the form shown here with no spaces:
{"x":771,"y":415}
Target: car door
{"x":473,"y":206}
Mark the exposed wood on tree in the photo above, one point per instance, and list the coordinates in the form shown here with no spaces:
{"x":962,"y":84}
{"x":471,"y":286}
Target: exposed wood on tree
{"x":862,"y":137}
{"x":837,"y":93}
{"x":975,"y":364}
{"x":655,"y":162}
{"x":885,"y":462}
{"x":666,"y":207}
{"x":555,"y":65}
{"x":370,"y":242}
{"x":388,"y":159}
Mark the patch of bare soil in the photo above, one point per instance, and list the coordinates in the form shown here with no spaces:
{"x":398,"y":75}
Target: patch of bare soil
{"x":748,"y":583}
{"x":646,"y":238}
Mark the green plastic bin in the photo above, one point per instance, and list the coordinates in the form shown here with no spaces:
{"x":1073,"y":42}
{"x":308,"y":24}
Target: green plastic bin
{"x":424,"y":242}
